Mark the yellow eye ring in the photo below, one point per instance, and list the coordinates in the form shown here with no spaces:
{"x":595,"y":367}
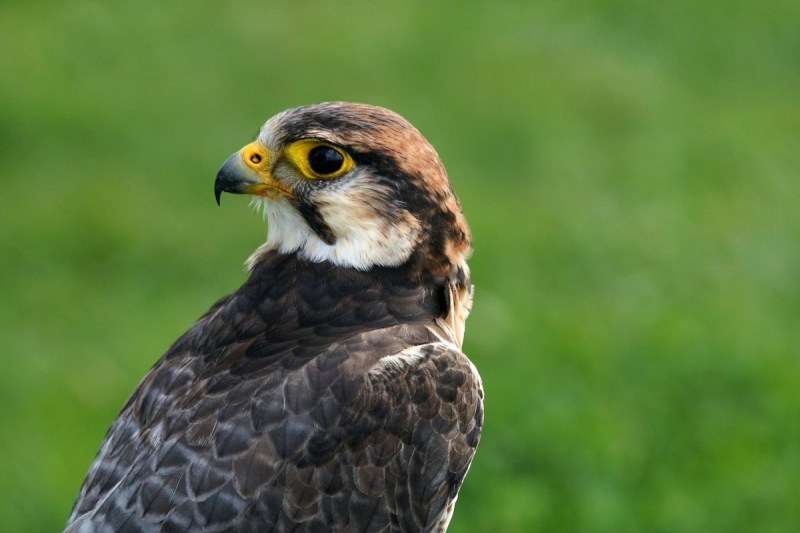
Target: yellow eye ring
{"x":318,"y":159}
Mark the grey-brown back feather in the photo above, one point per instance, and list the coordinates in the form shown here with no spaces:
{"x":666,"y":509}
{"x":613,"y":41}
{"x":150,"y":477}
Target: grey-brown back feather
{"x":314,"y":398}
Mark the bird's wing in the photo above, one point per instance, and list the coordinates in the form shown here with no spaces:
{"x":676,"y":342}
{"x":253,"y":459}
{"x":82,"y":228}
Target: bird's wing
{"x":419,"y":420}
{"x":349,"y":439}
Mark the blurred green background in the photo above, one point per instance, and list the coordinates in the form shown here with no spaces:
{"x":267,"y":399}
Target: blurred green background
{"x":629,"y":170}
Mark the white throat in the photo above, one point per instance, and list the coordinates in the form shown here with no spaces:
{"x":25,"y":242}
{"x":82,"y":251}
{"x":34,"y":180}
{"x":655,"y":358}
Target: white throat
{"x":363,"y":238}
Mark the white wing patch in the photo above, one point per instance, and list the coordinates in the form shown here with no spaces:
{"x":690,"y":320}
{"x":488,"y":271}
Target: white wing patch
{"x":404,"y":358}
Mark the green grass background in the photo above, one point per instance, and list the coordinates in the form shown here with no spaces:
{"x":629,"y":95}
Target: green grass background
{"x":629,"y":170}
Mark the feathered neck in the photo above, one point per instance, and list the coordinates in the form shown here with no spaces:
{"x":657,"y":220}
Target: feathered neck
{"x":316,"y":290}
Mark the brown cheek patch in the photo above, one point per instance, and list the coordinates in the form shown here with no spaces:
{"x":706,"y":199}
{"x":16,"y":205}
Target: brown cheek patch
{"x":418,"y":160}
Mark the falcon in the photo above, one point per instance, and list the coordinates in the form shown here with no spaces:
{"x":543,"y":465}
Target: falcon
{"x":329,"y":392}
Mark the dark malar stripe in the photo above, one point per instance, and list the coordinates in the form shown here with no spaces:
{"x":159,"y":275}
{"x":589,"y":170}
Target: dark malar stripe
{"x":315,"y":221}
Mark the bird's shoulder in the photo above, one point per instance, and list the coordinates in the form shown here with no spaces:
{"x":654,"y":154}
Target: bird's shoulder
{"x":324,"y":435}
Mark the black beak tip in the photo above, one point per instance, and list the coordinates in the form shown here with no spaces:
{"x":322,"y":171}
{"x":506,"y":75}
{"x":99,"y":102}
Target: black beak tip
{"x":218,"y":190}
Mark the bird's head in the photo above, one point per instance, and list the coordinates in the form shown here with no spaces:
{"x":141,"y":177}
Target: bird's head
{"x":353,"y":184}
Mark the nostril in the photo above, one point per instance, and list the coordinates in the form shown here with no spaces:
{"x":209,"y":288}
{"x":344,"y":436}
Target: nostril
{"x":255,"y":159}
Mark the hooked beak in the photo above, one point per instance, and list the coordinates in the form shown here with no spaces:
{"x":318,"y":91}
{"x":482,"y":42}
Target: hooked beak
{"x":248,"y":172}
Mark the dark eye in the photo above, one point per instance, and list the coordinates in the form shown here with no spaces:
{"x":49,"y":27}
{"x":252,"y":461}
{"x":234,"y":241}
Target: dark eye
{"x":325,"y":160}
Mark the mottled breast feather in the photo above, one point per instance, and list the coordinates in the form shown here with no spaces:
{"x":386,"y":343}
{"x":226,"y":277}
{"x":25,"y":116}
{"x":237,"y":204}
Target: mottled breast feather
{"x":315,"y":398}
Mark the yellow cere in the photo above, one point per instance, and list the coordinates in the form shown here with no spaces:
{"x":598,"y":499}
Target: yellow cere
{"x":298,"y":153}
{"x":256,"y":156}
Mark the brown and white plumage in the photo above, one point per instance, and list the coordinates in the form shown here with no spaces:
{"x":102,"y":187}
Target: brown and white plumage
{"x":329,"y":392}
